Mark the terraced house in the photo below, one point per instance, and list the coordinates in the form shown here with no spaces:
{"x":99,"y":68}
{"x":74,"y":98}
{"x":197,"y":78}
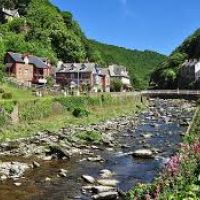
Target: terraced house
{"x":27,"y":69}
{"x":84,"y":77}
{"x":190,"y":74}
{"x":120,"y":73}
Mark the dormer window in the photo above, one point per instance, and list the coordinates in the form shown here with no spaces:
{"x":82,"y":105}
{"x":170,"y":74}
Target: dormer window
{"x":83,"y":67}
{"x":72,"y":67}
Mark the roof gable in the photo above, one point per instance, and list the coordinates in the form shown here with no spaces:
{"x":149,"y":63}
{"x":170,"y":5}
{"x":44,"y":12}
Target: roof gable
{"x":36,"y":61}
{"x":118,"y":71}
{"x":13,"y":13}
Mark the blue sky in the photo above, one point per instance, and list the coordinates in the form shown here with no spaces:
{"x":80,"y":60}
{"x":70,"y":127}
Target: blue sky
{"x":159,"y":25}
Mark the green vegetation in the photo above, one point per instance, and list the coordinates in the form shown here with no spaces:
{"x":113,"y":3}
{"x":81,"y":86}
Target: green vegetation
{"x":189,"y":49}
{"x":181,"y":178}
{"x":140,"y":64}
{"x":54,"y":113}
{"x":80,"y":112}
{"x":90,"y":136}
{"x":115,"y":85}
{"x":34,"y":32}
{"x":17,"y":93}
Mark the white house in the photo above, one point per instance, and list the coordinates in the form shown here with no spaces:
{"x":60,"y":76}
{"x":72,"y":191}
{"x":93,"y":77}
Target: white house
{"x":121,"y":73}
{"x":190,"y":70}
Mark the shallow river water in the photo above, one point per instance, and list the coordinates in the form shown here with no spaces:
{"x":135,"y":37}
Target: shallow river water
{"x":160,"y":128}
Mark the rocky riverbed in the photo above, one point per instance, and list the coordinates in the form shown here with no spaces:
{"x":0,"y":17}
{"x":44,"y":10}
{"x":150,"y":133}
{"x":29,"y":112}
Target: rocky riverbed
{"x":60,"y":166}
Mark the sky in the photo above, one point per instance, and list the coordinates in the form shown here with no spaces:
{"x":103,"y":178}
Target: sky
{"x":158,"y":25}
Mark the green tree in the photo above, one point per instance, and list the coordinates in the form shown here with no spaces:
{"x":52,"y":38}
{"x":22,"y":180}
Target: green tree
{"x":116,"y":85}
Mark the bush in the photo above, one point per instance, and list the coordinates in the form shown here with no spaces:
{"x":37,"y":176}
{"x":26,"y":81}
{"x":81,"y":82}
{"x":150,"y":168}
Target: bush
{"x":1,"y":91}
{"x":116,"y":85}
{"x":90,"y":136}
{"x":7,"y":95}
{"x":80,"y":112}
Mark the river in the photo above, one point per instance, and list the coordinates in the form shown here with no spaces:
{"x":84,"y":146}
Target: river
{"x":160,"y":128}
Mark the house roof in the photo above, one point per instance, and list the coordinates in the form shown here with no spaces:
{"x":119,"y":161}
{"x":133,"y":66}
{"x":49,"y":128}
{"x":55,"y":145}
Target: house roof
{"x":190,"y":63}
{"x":9,"y":12}
{"x":78,"y":67}
{"x":36,"y":61}
{"x":118,"y":71}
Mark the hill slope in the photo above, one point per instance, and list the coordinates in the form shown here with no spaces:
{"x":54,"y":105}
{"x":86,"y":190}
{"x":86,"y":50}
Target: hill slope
{"x":46,"y":31}
{"x":140,"y":64}
{"x":167,"y":74}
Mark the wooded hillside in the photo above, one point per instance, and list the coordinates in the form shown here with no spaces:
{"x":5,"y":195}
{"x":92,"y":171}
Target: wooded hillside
{"x":46,"y":31}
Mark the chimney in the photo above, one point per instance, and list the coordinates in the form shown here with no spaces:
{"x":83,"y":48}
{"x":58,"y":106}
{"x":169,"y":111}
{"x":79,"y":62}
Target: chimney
{"x":25,"y":58}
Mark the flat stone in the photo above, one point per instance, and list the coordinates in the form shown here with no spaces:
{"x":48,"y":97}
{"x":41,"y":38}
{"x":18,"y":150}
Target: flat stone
{"x":101,"y":188}
{"x":17,"y":184}
{"x":106,"y":196}
{"x":108,"y":182}
{"x":47,"y":158}
{"x":88,"y":179}
{"x":95,"y":159}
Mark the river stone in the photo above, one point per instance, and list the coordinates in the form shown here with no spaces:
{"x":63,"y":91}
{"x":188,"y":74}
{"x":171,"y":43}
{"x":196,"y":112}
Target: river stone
{"x":101,"y":188}
{"x":106,"y":196}
{"x":17,"y":184}
{"x":59,"y":151}
{"x":147,"y":136}
{"x":63,"y":173}
{"x":88,"y":179}
{"x":36,"y":164}
{"x":105,"y":173}
{"x":3,"y":178}
{"x":108,"y":182}
{"x":95,"y":159}
{"x":143,"y":153}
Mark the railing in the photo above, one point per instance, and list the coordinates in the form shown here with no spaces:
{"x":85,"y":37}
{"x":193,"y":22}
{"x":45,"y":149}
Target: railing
{"x":172,"y":92}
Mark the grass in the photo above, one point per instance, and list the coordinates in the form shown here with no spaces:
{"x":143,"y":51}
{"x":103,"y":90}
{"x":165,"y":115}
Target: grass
{"x":53,"y":121}
{"x":181,"y":178}
{"x":17,"y":93}
{"x":90,"y":136}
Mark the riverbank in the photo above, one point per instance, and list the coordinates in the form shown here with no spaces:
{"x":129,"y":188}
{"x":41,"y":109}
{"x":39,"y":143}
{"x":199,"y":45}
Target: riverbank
{"x":53,"y":113}
{"x":181,"y":177}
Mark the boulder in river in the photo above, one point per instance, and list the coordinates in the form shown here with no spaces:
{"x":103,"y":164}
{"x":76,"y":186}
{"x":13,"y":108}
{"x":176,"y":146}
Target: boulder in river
{"x":106,"y":196}
{"x":142,"y":153}
{"x":105,"y":173}
{"x":59,"y":151}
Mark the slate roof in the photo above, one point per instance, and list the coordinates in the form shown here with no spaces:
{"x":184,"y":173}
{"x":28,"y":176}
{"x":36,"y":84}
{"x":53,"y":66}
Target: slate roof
{"x":118,"y":71}
{"x":78,"y":67}
{"x":190,"y":63}
{"x":9,"y":12}
{"x":36,"y":61}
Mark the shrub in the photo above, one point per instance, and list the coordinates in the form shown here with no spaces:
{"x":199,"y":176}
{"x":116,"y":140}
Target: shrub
{"x":116,"y":85}
{"x":90,"y":136}
{"x":1,"y":91}
{"x":7,"y":95}
{"x":80,"y":112}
